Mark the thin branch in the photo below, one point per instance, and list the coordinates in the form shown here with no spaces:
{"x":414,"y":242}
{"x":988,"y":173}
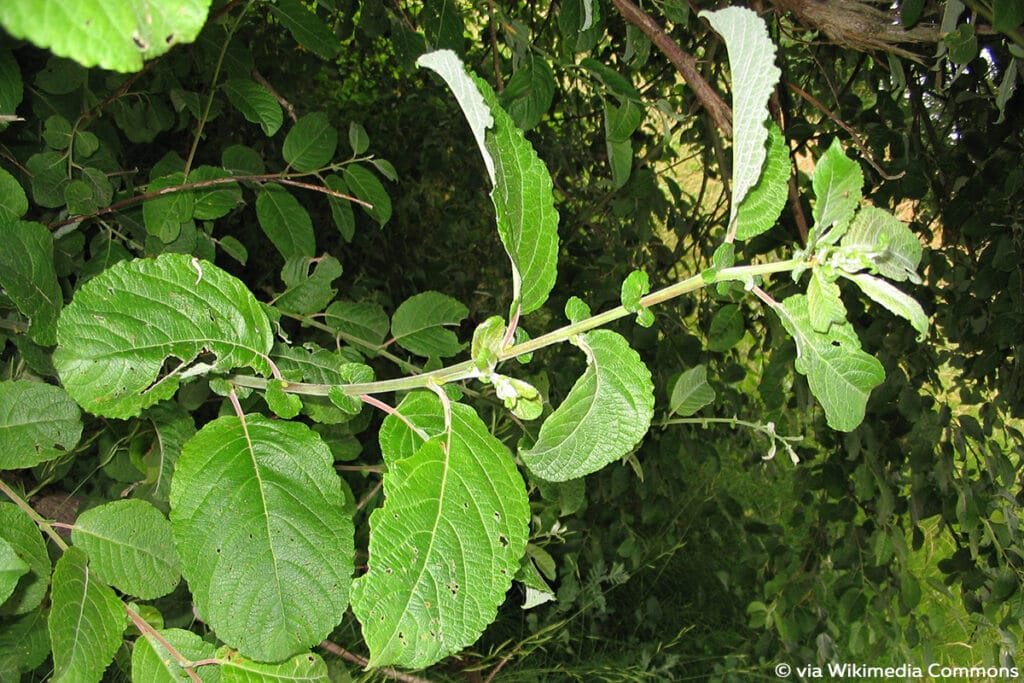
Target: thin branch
{"x":146,"y":630}
{"x":369,"y":496}
{"x":339,"y":651}
{"x":288,"y":106}
{"x":46,"y":527}
{"x":685,"y":63}
{"x":199,"y":184}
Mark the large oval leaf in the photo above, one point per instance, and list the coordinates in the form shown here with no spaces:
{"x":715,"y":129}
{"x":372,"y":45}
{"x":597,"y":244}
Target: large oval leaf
{"x":122,"y":326}
{"x":605,"y":415}
{"x":446,"y":543}
{"x":264,"y":529}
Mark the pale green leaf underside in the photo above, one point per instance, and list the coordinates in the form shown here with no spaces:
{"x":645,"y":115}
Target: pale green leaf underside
{"x":152,"y":663}
{"x":22,"y":534}
{"x":837,"y":190}
{"x":130,"y":547}
{"x":691,"y":392}
{"x":38,"y":422}
{"x":264,"y":532}
{"x":889,"y":296}
{"x":86,"y":621}
{"x":447,"y":542}
{"x":754,"y":76}
{"x":112,"y":35}
{"x":840,"y":374}
{"x":896,"y":251}
{"x":307,"y":667}
{"x":824,"y":306}
{"x":123,"y":324}
{"x":763,"y":205}
{"x":522,"y":192}
{"x":605,"y":415}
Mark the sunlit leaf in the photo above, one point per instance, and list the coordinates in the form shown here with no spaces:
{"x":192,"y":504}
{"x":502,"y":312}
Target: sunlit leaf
{"x":307,"y":667}
{"x":889,"y":296}
{"x":886,"y":242}
{"x":837,"y":186}
{"x":763,"y":205}
{"x":691,"y":392}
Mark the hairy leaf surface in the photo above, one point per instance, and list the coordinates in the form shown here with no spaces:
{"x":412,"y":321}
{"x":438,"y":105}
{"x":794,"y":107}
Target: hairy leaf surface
{"x":840,"y":374}
{"x":86,"y":620}
{"x":837,"y":190}
{"x":307,"y":667}
{"x":125,"y":323}
{"x":38,"y":422}
{"x":763,"y":205}
{"x":116,"y":36}
{"x":130,"y":547}
{"x":892,"y":298}
{"x":754,"y":76}
{"x":151,"y":662}
{"x":605,"y":415}
{"x":447,"y":542}
{"x":522,"y":194}
{"x":264,"y":529}
{"x":886,"y":242}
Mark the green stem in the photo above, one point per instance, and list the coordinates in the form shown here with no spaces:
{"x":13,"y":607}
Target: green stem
{"x":467,"y":369}
{"x":36,"y":517}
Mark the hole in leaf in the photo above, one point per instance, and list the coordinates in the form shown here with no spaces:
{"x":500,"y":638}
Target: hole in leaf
{"x":497,"y":515}
{"x":503,"y":540}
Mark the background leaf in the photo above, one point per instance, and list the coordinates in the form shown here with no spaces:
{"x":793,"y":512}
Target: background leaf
{"x":264,"y":494}
{"x":86,"y":621}
{"x":727,"y":328}
{"x":754,"y":76}
{"x":365,"y":186}
{"x":12,"y":568}
{"x":28,"y":276}
{"x":691,"y":392}
{"x":607,"y":412}
{"x":152,"y":662}
{"x":21,"y":533}
{"x":363,"y":320}
{"x":130,"y":547}
{"x":38,"y":422}
{"x":286,"y":222}
{"x":122,"y":325}
{"x":13,"y":202}
{"x":113,"y":36}
{"x":528,"y":94}
{"x":311,"y":142}
{"x":306,"y":27}
{"x":255,"y":103}
{"x":447,"y":542}
{"x":418,"y":325}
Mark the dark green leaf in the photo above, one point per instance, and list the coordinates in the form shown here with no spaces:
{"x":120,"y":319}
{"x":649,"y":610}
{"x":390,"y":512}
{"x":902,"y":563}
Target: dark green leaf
{"x":255,"y":103}
{"x":418,"y":325}
{"x":365,"y":321}
{"x":962,"y":44}
{"x":165,"y":214}
{"x":28,"y":276}
{"x":21,"y":533}
{"x":312,"y":292}
{"x":38,"y":422}
{"x":307,"y":28}
{"x":215,"y":201}
{"x":528,"y":94}
{"x":285,"y":222}
{"x":311,"y":142}
{"x":727,"y":328}
{"x":365,"y":186}
{"x":1007,"y":15}
{"x":13,"y":202}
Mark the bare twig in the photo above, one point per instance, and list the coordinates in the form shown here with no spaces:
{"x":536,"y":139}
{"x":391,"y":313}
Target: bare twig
{"x":288,"y":106}
{"x":685,"y":63}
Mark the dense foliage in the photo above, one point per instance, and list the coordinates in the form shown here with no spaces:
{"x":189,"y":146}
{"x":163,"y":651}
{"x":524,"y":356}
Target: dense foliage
{"x":509,"y":340}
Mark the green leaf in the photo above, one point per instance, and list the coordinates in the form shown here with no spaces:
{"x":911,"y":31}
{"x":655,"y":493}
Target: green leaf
{"x":321,"y":366}
{"x":341,"y":209}
{"x":442,"y":24}
{"x":365,"y":321}
{"x":164,"y":215}
{"x":528,"y":94}
{"x":754,"y":77}
{"x":418,"y":325}
{"x":38,"y":422}
{"x":28,"y":276}
{"x":763,"y":206}
{"x":962,"y":44}
{"x":255,"y":103}
{"x":285,"y":222}
{"x":312,"y":292}
{"x":606,"y":414}
{"x":634,"y":287}
{"x":576,"y":309}
{"x":889,"y":296}
{"x":86,"y":621}
{"x":691,"y":392}
{"x":727,"y":328}
{"x":172,"y":426}
{"x":311,"y":142}
{"x":620,"y":122}
{"x":116,"y":36}
{"x":616,"y":83}
{"x":837,"y":185}
{"x":242,"y":160}
{"x":12,"y":91}
{"x":284,"y":405}
{"x":447,"y":542}
{"x":130,"y":547}
{"x":1007,"y":15}
{"x":21,"y":533}
{"x":13,"y":202}
{"x":910,"y":12}
{"x":521,"y":398}
{"x":24,"y":643}
{"x":48,"y":177}
{"x":264,"y":529}
{"x":522,"y":194}
{"x":215,"y":201}
{"x":358,"y":140}
{"x":486,"y":346}
{"x":840,"y":374}
{"x":306,"y":667}
{"x":365,"y":186}
{"x":151,"y":662}
{"x":122,"y":326}
{"x":306,"y":28}
{"x":57,"y":132}
{"x":79,"y":197}
{"x":12,"y":568}
{"x":886,"y":242}
{"x":824,"y":307}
